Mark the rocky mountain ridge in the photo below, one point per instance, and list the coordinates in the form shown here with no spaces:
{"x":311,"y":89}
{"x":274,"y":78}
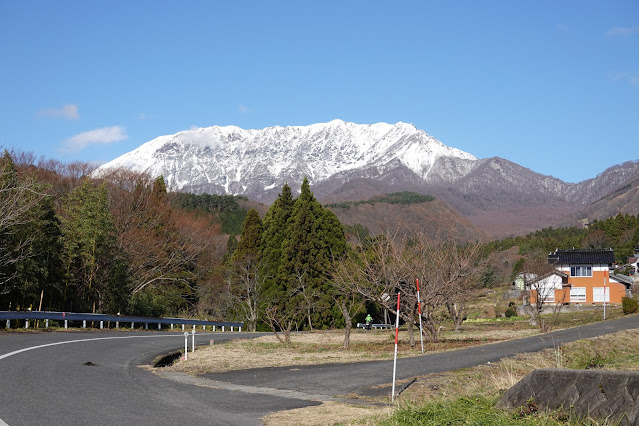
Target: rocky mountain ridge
{"x":347,"y":161}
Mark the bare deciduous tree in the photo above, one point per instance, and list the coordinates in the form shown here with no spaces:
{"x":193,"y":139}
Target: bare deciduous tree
{"x":20,"y":198}
{"x":541,"y":282}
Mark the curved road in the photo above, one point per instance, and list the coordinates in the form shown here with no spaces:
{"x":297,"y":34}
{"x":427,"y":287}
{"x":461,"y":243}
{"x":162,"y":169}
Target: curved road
{"x":51,"y":385}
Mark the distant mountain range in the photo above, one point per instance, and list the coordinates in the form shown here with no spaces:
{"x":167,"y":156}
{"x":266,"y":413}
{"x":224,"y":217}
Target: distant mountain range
{"x":347,"y":161}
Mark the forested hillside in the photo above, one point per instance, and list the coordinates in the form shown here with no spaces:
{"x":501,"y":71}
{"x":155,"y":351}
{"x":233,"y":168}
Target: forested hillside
{"x":122,"y":244}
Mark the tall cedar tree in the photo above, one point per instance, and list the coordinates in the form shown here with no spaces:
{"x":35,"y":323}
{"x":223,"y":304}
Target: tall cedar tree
{"x":313,"y":237}
{"x":89,"y":243}
{"x":244,"y":270}
{"x":275,"y":221}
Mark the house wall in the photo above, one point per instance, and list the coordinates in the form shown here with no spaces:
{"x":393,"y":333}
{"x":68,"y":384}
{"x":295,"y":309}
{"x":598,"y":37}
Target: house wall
{"x":600,"y":278}
{"x":551,"y":289}
{"x":592,"y":286}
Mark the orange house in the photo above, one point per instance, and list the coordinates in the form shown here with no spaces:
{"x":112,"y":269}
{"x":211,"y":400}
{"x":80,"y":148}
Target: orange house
{"x":581,"y":276}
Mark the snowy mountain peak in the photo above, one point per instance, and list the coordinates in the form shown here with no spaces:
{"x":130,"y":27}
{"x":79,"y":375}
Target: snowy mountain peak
{"x":232,"y":160}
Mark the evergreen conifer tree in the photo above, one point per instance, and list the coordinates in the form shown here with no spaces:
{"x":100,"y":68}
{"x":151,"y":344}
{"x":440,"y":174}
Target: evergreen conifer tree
{"x":244,"y":276}
{"x":274,"y":234}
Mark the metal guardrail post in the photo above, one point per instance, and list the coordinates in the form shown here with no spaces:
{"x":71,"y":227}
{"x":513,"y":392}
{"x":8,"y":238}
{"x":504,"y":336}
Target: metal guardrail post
{"x":222,"y":329}
{"x":101,"y":325}
{"x":171,"y":326}
{"x":46,"y":323}
{"x":8,"y":324}
{"x":132,"y":325}
{"x":66,"y":324}
{"x":84,"y":323}
{"x":26,"y":324}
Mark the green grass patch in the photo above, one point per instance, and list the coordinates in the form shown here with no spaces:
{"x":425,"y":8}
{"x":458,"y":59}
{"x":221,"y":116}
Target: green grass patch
{"x":480,"y":411}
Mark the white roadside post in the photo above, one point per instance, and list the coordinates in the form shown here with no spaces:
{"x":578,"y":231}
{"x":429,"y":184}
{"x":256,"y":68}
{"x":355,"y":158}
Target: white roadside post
{"x":193,"y":341}
{"x":607,"y":272}
{"x":419,"y":312}
{"x":186,"y":345}
{"x":395,"y":358}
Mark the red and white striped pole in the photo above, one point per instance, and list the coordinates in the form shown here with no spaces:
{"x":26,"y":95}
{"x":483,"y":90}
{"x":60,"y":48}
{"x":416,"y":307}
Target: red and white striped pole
{"x":395,"y":360}
{"x":419,"y":310}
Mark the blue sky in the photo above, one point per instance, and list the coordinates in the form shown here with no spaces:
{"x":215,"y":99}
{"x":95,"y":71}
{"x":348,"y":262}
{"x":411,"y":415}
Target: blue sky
{"x":551,"y":85}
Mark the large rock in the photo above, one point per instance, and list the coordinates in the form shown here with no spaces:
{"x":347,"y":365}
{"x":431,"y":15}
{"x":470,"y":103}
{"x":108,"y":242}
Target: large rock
{"x":600,"y":394}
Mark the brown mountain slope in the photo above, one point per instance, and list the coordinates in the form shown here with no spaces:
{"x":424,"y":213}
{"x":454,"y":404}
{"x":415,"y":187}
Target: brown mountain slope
{"x":432,"y":217}
{"x":623,"y":200}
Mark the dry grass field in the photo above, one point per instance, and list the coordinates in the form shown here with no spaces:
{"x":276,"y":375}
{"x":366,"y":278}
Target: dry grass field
{"x":618,"y":351}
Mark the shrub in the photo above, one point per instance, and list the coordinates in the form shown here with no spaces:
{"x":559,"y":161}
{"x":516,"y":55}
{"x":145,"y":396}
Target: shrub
{"x":629,"y":305}
{"x":511,"y":312}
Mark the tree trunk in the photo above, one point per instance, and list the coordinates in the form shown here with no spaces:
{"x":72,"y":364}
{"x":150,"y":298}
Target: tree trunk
{"x":411,"y":329}
{"x":348,"y":325}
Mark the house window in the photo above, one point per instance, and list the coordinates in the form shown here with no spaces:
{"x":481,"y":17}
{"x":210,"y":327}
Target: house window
{"x":581,"y":271}
{"x":598,"y":294}
{"x":578,"y":294}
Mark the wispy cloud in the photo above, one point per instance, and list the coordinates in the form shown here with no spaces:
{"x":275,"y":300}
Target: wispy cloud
{"x":622,"y":31}
{"x":630,"y":77}
{"x":70,"y":112}
{"x":243,"y":109}
{"x":563,"y":27}
{"x":144,"y":116}
{"x":101,"y":136}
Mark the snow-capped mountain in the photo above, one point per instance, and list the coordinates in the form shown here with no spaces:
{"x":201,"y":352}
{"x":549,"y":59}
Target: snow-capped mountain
{"x":347,"y":161}
{"x":256,"y":163}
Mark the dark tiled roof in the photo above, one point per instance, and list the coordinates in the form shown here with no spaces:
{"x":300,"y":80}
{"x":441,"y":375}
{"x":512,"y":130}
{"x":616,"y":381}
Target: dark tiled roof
{"x":582,"y":256}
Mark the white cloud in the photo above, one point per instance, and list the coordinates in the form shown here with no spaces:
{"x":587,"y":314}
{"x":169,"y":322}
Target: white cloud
{"x":243,"y":109}
{"x":622,"y":31}
{"x":70,"y":112}
{"x":630,"y":77}
{"x":101,"y":136}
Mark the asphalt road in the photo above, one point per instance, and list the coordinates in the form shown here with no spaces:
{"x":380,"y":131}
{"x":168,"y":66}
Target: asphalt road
{"x":375,"y":378}
{"x":51,"y":385}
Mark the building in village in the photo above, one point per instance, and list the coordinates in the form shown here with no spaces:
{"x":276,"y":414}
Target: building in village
{"x":581,"y":276}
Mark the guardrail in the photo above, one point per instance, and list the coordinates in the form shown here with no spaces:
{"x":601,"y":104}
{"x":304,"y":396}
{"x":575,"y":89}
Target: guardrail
{"x":67,"y":317}
{"x":382,"y":326}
